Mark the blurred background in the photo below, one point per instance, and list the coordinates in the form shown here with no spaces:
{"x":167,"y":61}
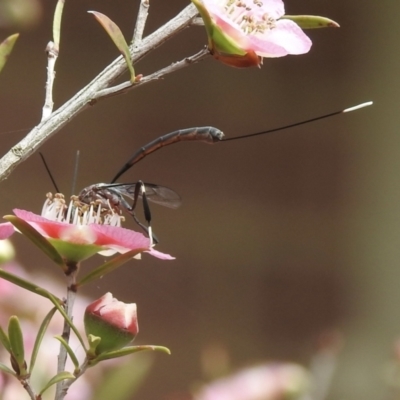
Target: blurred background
{"x":280,"y":238}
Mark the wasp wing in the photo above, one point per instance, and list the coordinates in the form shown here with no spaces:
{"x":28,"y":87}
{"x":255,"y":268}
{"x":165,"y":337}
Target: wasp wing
{"x":155,"y":193}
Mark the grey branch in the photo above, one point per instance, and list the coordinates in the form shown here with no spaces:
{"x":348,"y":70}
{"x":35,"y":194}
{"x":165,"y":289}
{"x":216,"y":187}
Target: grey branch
{"x":140,"y":22}
{"x":52,"y":54}
{"x":126,"y":86}
{"x":61,"y":389}
{"x":47,"y":128}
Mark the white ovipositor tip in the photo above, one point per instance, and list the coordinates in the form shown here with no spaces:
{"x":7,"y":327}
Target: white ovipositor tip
{"x":362,"y":105}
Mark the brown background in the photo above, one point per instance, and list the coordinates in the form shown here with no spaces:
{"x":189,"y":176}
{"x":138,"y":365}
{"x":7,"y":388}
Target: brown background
{"x":280,"y":237}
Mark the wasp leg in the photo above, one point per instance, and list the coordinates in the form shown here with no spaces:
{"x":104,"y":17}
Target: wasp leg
{"x":140,"y":189}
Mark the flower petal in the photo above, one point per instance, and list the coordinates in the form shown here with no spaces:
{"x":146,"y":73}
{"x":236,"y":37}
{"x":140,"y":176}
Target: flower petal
{"x":119,"y":238}
{"x":158,"y":254}
{"x":90,"y":239}
{"x":285,"y":38}
{"x":6,"y":230}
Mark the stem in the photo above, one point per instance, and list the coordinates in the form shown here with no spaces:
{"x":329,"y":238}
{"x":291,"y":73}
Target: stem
{"x":47,"y":128}
{"x":52,"y":50}
{"x":82,"y":370}
{"x":61,"y":389}
{"x":126,"y":86}
{"x":29,"y":390}
{"x":52,"y":54}
{"x":140,"y":22}
{"x":323,"y":366}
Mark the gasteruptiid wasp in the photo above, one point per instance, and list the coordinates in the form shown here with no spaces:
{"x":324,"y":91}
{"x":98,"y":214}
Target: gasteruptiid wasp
{"x":113,"y":196}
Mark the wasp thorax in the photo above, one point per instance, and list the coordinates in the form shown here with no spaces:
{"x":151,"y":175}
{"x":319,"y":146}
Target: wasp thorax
{"x":80,"y":212}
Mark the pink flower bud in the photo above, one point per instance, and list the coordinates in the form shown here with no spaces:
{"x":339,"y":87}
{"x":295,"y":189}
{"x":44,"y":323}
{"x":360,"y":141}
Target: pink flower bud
{"x":113,"y":321}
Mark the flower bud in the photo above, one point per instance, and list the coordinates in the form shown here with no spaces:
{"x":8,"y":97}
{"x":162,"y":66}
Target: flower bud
{"x":7,"y":252}
{"x":111,"y":320}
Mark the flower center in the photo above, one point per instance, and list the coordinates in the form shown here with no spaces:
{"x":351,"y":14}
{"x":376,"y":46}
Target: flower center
{"x":249,"y":15}
{"x":78,"y":213}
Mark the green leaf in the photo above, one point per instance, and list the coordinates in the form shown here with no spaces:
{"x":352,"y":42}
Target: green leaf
{"x":208,"y":22}
{"x":129,"y":350}
{"x":117,"y":37}
{"x":69,"y":351}
{"x":4,"y":340}
{"x":36,"y":238}
{"x":312,"y":21}
{"x":17,"y":344}
{"x":218,"y":40}
{"x":120,"y":382}
{"x":6,"y":47}
{"x":61,"y":376}
{"x":39,"y":337}
{"x":109,"y":266}
{"x":26,"y":285}
{"x":94,"y":342}
{"x":57,"y":23}
{"x":7,"y":370}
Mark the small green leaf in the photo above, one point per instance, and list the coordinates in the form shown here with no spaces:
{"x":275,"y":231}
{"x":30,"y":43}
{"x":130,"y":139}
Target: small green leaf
{"x":312,"y":21}
{"x":39,"y":337}
{"x":17,"y":344}
{"x":26,"y":285}
{"x":109,"y":266}
{"x":57,"y":23}
{"x":94,"y":341}
{"x":218,"y":40}
{"x":117,"y":37}
{"x":130,"y":350}
{"x":7,"y":370}
{"x":61,"y":376}
{"x":208,"y":22}
{"x":6,"y":47}
{"x":36,"y":238}
{"x":4,"y":340}
{"x":69,"y":351}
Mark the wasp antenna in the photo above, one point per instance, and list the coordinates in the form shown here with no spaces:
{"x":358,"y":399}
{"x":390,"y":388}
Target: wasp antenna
{"x":23,"y":130}
{"x":75,"y":176}
{"x":49,"y":173}
{"x":346,"y":110}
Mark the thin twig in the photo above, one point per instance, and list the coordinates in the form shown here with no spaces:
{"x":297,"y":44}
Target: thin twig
{"x":52,"y":54}
{"x":127,"y":86}
{"x":62,"y":357}
{"x":140,"y":22}
{"x":82,"y":370}
{"x":25,"y":383}
{"x":324,"y":363}
{"x":47,"y":128}
{"x":197,"y":22}
{"x":52,"y":50}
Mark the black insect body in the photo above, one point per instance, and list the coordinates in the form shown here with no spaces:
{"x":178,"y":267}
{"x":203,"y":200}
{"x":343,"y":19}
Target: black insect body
{"x":112,"y":196}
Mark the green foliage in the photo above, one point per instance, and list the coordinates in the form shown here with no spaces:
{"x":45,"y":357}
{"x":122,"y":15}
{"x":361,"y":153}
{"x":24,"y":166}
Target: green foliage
{"x":6,"y":47}
{"x":117,"y":37}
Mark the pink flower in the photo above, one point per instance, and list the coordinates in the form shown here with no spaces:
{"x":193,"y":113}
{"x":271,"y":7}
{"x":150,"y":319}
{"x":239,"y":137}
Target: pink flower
{"x":113,"y":321}
{"x":77,"y":242}
{"x":267,"y":382}
{"x":240,"y":32}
